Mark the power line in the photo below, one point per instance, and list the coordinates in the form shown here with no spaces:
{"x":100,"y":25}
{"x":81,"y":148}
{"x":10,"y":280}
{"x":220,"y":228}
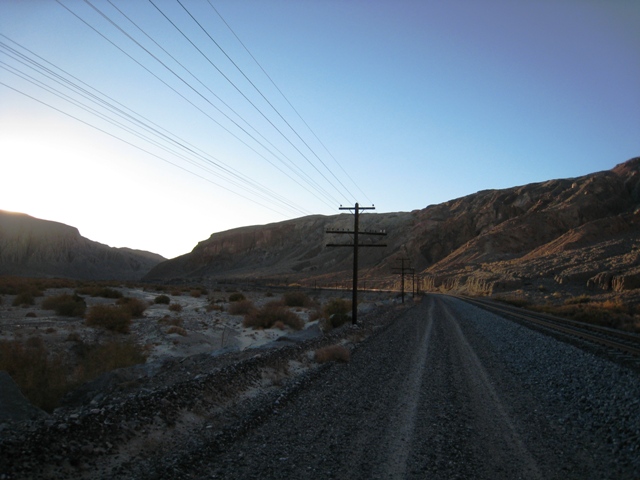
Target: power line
{"x":185,"y":98}
{"x":286,"y":99}
{"x":135,"y":146}
{"x":48,"y":73}
{"x":240,"y":91}
{"x":271,"y":105}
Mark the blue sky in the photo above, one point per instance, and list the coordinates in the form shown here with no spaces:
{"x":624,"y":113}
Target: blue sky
{"x":410,"y":103}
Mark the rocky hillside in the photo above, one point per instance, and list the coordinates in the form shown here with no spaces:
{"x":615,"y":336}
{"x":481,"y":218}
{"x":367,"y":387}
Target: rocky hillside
{"x":41,"y":248}
{"x":579,"y":232}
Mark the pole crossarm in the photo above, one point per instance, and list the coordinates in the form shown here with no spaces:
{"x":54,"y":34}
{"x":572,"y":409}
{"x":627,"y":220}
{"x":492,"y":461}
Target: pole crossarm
{"x":355,"y":245}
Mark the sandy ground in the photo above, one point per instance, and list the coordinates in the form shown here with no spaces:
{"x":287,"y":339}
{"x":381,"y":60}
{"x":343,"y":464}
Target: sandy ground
{"x":200,"y":331}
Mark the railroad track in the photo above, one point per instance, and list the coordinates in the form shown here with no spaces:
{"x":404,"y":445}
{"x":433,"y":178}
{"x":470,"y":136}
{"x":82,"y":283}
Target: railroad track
{"x":615,"y":339}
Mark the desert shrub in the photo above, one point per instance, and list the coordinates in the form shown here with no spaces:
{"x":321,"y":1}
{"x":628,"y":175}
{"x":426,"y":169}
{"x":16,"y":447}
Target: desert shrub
{"x":315,"y":314}
{"x":176,"y":292}
{"x":271,"y":313}
{"x":95,"y":359}
{"x":178,"y":330}
{"x":40,"y":375}
{"x":296,"y":299}
{"x":195,"y":293}
{"x":23,"y":298}
{"x":112,"y":317}
{"x":99,"y":291}
{"x":333,"y":353}
{"x":162,"y":299}
{"x":577,"y":300}
{"x":107,"y":292}
{"x":236,"y":297}
{"x":31,"y":315}
{"x":175,"y":307}
{"x":241,"y":307}
{"x":337,"y":312}
{"x":336,"y":305}
{"x":135,"y":306}
{"x":66,"y":305}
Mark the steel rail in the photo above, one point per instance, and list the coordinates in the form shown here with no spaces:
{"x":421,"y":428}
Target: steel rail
{"x":617,"y":339}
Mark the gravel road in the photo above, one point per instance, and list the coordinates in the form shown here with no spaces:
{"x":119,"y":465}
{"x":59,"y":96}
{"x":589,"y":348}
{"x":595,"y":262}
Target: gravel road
{"x":447,"y":391}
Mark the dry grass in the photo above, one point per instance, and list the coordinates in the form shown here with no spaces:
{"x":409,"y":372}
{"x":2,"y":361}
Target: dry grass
{"x":175,"y":307}
{"x":612,"y":313}
{"x":333,"y":353}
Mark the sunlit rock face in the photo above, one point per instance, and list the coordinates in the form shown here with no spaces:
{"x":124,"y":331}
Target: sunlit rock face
{"x":581,"y":232}
{"x":41,"y":248}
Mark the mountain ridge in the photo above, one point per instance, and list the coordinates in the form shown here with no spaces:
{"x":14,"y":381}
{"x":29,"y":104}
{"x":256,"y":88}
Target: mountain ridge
{"x":481,"y":243}
{"x":43,"y":248}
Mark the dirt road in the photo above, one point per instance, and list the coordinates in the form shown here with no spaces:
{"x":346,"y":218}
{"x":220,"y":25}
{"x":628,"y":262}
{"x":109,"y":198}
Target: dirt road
{"x":448,"y":391}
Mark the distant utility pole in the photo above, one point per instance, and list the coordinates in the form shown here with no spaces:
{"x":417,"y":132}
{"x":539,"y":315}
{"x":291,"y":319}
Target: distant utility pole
{"x":355,"y":245}
{"x":401,"y":271}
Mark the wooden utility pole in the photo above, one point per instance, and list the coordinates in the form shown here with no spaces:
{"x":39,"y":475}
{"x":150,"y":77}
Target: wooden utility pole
{"x":355,"y":245}
{"x":402,"y":269}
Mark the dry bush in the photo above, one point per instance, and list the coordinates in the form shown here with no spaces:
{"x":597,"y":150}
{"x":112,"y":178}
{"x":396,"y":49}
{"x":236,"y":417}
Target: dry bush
{"x":99,"y":291}
{"x":162,"y":299}
{"x":175,"y":307}
{"x":296,"y":299}
{"x":178,"y":330}
{"x":333,"y":353}
{"x":111,"y":317}
{"x":271,"y":313}
{"x":40,"y":375}
{"x":24,"y":298}
{"x":65,"y":305}
{"x":236,"y":297}
{"x":135,"y":306}
{"x":96,"y":359}
{"x":315,"y":314}
{"x":241,"y":307}
{"x":336,"y":306}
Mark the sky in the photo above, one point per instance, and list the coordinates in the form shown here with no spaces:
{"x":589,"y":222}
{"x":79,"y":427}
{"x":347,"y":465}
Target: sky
{"x":152,"y":124}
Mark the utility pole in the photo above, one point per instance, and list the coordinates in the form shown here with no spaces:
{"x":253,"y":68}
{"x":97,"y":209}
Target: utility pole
{"x":402,"y":269}
{"x":355,"y":245}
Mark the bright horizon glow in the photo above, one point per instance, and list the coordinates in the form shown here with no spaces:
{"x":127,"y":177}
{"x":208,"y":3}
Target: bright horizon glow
{"x":421,"y":102}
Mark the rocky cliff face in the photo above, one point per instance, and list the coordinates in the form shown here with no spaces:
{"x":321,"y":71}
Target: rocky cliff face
{"x":34,"y":247}
{"x":582,"y":232}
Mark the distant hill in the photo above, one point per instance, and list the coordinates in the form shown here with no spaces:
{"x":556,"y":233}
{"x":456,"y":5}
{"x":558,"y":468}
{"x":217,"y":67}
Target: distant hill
{"x":41,"y":248}
{"x":581,"y":232}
